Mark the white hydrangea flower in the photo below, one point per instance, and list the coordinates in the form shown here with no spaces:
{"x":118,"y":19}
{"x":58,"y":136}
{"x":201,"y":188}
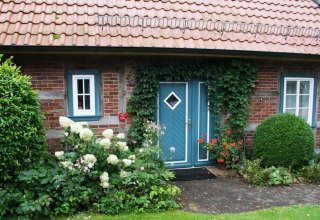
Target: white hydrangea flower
{"x":127,"y":162}
{"x":104,"y":177}
{"x":132,"y":157}
{"x":86,"y":134}
{"x":121,"y":136}
{"x":141,"y":168}
{"x":123,"y":174}
{"x":126,"y":148}
{"x":76,"y":128}
{"x":66,"y":134}
{"x":104,"y":185}
{"x":83,"y":123}
{"x":112,"y":159}
{"x":122,"y":145}
{"x":86,"y":169}
{"x":105,"y":142}
{"x":90,"y":160}
{"x":65,"y":122}
{"x":141,"y":150}
{"x":108,"y":133}
{"x":58,"y":153}
{"x":67,"y":165}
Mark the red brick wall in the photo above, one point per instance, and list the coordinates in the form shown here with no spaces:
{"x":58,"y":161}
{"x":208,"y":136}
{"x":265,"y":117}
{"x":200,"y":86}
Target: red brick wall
{"x":268,"y":78}
{"x":110,"y":82}
{"x":47,"y":77}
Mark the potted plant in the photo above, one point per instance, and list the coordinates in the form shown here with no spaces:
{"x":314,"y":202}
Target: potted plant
{"x":224,"y":149}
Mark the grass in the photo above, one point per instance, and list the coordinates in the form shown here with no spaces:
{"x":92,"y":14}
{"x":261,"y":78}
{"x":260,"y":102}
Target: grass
{"x":299,"y":212}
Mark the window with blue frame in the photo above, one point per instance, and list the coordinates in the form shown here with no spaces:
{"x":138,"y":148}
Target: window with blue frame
{"x":84,"y":95}
{"x":298,"y":96}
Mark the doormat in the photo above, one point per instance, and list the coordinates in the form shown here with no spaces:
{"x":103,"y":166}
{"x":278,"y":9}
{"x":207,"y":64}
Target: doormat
{"x":200,"y":173}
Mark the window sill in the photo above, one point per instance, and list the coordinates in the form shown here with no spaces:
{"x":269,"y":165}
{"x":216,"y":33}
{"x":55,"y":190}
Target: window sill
{"x":85,"y":118}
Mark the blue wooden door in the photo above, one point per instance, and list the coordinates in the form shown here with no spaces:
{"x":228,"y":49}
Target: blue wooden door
{"x":183,"y":111}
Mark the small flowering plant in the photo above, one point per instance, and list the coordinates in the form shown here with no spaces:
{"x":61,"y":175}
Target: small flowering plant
{"x":224,"y":148}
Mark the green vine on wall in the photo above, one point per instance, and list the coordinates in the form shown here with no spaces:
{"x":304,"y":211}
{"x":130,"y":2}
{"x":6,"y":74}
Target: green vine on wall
{"x":229,"y":85}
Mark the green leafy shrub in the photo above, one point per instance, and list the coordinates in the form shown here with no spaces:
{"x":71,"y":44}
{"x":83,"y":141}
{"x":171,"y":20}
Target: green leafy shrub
{"x":22,"y":136}
{"x":97,"y":174}
{"x":278,"y":176}
{"x":284,"y":140}
{"x":254,"y":174}
{"x":311,"y":173}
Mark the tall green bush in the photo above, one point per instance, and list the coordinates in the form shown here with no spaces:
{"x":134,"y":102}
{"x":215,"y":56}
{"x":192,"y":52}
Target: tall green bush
{"x":284,"y":140}
{"x":22,"y":134}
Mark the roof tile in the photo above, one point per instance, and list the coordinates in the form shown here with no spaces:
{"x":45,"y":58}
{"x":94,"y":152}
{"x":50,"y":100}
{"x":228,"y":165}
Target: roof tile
{"x":27,"y":22}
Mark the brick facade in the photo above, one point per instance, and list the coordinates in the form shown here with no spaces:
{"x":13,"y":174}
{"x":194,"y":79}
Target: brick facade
{"x":117,"y":84}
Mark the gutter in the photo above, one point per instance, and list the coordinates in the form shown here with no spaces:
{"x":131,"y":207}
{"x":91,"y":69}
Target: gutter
{"x":151,"y":51}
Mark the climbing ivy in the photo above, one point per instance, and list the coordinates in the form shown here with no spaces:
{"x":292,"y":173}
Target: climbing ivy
{"x":230,"y":84}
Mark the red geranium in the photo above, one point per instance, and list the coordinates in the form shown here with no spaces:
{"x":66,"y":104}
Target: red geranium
{"x":200,"y":140}
{"x":224,"y":146}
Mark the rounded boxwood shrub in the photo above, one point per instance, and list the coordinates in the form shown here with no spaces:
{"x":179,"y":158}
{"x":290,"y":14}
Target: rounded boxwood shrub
{"x":284,"y":140}
{"x":22,"y":133}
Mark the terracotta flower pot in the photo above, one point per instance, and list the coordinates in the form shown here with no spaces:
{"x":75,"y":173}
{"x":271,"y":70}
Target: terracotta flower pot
{"x":221,"y":164}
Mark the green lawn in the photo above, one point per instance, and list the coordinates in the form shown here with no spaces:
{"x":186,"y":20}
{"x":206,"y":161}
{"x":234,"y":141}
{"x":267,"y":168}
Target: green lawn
{"x":301,"y":212}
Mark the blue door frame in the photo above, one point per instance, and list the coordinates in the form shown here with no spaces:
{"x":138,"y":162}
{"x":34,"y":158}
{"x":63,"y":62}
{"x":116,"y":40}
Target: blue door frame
{"x":183,"y":110}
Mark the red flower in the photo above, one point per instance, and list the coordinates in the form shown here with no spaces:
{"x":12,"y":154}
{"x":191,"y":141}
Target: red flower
{"x":240,"y":142}
{"x":223,"y":154}
{"x":214,"y":140}
{"x":233,"y":144}
{"x":228,"y":132}
{"x":200,"y":140}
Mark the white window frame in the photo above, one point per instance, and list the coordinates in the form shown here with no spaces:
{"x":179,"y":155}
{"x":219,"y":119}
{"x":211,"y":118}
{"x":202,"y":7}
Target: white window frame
{"x":298,"y":80}
{"x":76,"y":110}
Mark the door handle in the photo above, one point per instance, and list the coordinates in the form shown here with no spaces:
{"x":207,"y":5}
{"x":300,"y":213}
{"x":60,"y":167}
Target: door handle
{"x":189,"y":123}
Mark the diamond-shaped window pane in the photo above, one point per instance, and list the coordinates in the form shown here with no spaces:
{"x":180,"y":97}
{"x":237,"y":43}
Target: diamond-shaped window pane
{"x":172,"y":100}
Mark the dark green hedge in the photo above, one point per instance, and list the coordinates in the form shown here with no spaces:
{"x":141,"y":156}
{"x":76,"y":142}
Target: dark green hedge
{"x":284,"y":140}
{"x":22,"y":134}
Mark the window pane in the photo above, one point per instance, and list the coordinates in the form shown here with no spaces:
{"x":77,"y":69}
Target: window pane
{"x":293,"y":111}
{"x":87,"y":101}
{"x":87,"y":86}
{"x":80,"y":86}
{"x":80,"y":102}
{"x":291,"y":87}
{"x":304,"y":87}
{"x":304,"y":113}
{"x":304,"y":101}
{"x":291,"y":101}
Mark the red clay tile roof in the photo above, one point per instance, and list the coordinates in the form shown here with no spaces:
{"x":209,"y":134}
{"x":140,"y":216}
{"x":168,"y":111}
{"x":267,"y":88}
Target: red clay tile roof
{"x":250,"y":25}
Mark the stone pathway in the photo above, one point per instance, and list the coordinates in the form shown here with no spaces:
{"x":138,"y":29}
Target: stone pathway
{"x":227,"y":194}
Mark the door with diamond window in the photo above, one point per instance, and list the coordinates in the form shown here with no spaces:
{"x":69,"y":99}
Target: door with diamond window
{"x":183,"y":111}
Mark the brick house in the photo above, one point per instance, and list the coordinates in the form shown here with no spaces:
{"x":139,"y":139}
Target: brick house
{"x":82,"y":55}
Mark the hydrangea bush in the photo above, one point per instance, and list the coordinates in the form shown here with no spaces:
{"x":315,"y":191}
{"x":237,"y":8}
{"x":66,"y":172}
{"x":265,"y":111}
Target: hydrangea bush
{"x":99,"y":174}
